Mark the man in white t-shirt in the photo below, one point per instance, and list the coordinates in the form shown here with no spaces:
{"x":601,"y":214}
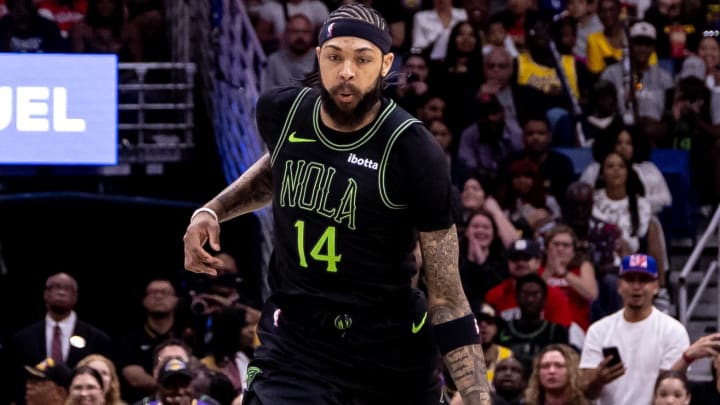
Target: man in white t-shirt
{"x":647,"y":341}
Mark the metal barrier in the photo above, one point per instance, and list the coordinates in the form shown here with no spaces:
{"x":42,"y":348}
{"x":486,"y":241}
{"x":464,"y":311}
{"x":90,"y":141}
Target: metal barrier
{"x":155,"y":111}
{"x":685,"y":310}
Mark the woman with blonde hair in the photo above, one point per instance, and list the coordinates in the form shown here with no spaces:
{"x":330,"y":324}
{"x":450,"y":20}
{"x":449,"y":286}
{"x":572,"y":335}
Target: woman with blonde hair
{"x":111,"y":382}
{"x":555,"y":378}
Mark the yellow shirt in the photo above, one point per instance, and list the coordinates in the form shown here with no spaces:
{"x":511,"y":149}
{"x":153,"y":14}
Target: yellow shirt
{"x":544,"y":78}
{"x":598,"y":49}
{"x":503,"y":353}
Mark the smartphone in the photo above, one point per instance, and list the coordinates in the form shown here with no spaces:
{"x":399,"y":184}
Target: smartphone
{"x":612,"y":351}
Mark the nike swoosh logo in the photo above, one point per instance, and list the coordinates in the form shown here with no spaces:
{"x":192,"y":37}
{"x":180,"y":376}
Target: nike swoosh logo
{"x":416,"y":328}
{"x":296,"y":139}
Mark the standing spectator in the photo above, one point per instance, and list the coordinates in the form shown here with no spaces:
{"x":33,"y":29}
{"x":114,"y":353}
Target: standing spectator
{"x":431,"y":28}
{"x":105,"y":30}
{"x":24,"y":30}
{"x":527,"y":335}
{"x":296,"y":59}
{"x":61,"y":335}
{"x":651,"y":81}
{"x":573,"y":274}
{"x":110,"y":380}
{"x":523,"y":259}
{"x":135,"y":349}
{"x":647,"y":340}
{"x":555,"y":378}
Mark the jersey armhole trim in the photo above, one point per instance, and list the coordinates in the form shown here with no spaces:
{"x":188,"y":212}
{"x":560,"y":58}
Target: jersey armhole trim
{"x":288,"y":120}
{"x":384,"y":162}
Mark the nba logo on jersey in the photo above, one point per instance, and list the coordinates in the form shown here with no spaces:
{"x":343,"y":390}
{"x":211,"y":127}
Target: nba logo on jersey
{"x":330,"y":29}
{"x":638,"y":261}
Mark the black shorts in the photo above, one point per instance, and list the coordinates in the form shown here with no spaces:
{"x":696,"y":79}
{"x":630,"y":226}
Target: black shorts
{"x":307,"y":360}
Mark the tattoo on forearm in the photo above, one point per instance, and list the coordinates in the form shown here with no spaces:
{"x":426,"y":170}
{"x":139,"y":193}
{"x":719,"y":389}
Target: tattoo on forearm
{"x":446,"y":301}
{"x":252,"y":190}
{"x":467,"y":368}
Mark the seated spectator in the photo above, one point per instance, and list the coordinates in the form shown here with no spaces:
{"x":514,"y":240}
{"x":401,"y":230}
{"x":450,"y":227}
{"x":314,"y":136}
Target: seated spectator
{"x":602,"y":115}
{"x":65,"y":13}
{"x":86,"y":387}
{"x":459,"y":75}
{"x":431,"y":106}
{"x":530,"y":333}
{"x":606,"y":47}
{"x":486,"y":143}
{"x":105,"y":30}
{"x":499,"y":71}
{"x":272,"y":16}
{"x":175,"y":384}
{"x":647,"y":340}
{"x":497,"y":35}
{"x":556,"y":168}
{"x":671,"y":387}
{"x":523,"y":259}
{"x":412,"y":85}
{"x":110,"y":380}
{"x":571,"y":273}
{"x":651,"y":82}
{"x":47,"y":383}
{"x":635,"y":149}
{"x":296,"y":59}
{"x":509,"y":382}
{"x":444,"y":138}
{"x":24,"y":30}
{"x":230,"y":347}
{"x":691,"y":129}
{"x":524,"y":199}
{"x":431,"y":28}
{"x":516,"y":17}
{"x":483,"y":264}
{"x":474,"y":199}
{"x":599,"y":242}
{"x":676,"y":29}
{"x":555,"y":378}
{"x":587,"y":23}
{"x":489,"y":323}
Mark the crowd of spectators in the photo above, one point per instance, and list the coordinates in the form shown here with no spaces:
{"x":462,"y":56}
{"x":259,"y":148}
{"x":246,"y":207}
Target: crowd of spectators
{"x":132,"y":29}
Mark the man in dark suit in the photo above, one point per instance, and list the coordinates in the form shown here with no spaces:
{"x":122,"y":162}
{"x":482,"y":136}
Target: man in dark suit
{"x":60,"y":335}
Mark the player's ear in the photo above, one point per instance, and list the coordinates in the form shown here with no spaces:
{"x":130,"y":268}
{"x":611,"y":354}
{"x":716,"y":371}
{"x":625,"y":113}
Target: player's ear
{"x":387,"y":62}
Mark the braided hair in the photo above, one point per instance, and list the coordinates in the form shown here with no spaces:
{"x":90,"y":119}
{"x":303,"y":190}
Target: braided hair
{"x":359,"y":11}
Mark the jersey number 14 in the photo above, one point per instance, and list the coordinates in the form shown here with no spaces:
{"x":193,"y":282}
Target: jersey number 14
{"x":324,"y":249}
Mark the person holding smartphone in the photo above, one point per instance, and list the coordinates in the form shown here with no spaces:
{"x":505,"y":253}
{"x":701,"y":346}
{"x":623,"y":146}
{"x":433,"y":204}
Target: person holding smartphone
{"x":626,"y":349}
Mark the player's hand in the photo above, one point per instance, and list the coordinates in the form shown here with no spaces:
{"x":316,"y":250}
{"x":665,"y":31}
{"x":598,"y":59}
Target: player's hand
{"x":203,"y":229}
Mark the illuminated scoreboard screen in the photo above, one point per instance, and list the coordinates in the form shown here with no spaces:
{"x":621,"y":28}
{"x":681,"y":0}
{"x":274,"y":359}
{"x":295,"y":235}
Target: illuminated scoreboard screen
{"x":58,"y":109}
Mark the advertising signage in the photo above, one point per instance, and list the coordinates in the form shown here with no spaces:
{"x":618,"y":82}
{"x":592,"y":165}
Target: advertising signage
{"x":58,"y":109}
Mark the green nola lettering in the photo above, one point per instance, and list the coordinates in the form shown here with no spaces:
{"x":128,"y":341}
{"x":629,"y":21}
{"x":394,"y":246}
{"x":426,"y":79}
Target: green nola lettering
{"x":307,"y":185}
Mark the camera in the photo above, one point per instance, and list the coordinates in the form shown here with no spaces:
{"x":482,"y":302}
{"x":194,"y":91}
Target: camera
{"x":199,"y":306}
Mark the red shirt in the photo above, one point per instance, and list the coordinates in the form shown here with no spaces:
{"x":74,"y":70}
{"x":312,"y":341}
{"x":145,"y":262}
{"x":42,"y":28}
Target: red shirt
{"x":579,"y":306}
{"x":502,"y":298}
{"x":65,"y":17}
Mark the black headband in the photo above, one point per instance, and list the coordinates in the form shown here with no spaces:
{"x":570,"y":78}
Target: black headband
{"x":350,"y":27}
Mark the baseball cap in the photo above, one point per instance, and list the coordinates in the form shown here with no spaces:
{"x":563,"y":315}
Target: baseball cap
{"x":643,"y":29}
{"x":639,"y":263}
{"x":523,"y":249}
{"x":486,"y":312}
{"x":48,"y":369}
{"x":174,"y":368}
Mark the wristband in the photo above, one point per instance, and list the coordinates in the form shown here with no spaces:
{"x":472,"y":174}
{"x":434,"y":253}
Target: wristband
{"x":686,"y":358}
{"x":457,"y":333}
{"x":204,"y":209}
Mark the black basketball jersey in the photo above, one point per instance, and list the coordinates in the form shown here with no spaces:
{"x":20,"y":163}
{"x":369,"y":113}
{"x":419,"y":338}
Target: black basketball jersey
{"x":346,"y":206}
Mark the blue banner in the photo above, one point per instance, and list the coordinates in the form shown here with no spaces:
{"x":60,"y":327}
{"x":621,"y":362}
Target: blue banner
{"x":58,"y":109}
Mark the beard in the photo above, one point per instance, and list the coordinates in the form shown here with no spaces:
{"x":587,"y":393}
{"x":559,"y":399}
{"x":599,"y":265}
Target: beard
{"x":346,"y":115}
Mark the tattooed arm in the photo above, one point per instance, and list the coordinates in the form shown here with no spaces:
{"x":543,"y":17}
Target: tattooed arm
{"x":446,"y":302}
{"x":251,"y":191}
